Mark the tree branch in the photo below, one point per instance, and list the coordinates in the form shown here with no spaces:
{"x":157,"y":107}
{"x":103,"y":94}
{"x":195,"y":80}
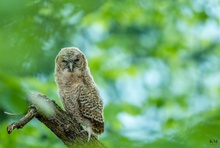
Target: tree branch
{"x":58,"y":121}
{"x":30,"y":115}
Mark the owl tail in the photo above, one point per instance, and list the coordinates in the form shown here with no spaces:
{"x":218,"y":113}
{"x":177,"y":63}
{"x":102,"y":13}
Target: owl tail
{"x":98,"y":127}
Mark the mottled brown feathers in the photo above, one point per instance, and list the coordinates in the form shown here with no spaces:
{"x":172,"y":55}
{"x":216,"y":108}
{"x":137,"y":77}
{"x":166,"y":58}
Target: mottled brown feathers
{"x":77,"y":90}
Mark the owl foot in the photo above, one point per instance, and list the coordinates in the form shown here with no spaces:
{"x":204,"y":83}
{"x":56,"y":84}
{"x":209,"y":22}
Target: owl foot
{"x":89,"y":131}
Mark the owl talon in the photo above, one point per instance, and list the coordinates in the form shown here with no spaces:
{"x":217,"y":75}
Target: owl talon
{"x":90,"y":132}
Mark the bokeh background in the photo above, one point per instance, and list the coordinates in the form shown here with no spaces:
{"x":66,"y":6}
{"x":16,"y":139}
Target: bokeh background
{"x":156,"y":64}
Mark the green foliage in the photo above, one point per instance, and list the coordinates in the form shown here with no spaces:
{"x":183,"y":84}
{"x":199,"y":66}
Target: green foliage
{"x":12,"y":94}
{"x":155,"y":62}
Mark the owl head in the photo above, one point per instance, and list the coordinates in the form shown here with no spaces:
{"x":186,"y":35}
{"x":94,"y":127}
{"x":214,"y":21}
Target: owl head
{"x":70,"y":59}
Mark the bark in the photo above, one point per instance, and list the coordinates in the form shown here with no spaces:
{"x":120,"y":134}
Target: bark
{"x":58,"y":121}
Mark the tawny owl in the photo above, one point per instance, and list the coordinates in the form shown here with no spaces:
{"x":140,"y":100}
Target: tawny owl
{"x":78,"y":91}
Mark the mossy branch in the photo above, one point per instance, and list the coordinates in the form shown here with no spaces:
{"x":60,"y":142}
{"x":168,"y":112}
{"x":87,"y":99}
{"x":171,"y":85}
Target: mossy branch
{"x":58,"y":121}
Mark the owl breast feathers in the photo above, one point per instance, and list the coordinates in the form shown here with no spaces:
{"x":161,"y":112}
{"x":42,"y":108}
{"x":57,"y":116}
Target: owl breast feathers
{"x":77,"y":90}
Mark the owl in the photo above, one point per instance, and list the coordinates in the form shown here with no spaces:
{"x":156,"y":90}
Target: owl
{"x":78,"y":91}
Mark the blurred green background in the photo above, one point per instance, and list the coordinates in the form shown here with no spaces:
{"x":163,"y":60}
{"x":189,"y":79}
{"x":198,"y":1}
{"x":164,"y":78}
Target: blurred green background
{"x":156,"y":64}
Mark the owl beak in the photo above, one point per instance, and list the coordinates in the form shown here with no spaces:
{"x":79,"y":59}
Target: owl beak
{"x":71,"y":66}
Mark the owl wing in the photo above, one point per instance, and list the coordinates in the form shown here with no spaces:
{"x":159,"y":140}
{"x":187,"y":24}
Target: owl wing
{"x":91,"y":107}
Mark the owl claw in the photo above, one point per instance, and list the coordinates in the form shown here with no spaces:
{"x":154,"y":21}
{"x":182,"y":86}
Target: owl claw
{"x":89,"y":131}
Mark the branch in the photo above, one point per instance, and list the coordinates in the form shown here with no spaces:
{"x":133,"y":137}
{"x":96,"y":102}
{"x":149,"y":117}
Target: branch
{"x":58,"y":121}
{"x":30,"y":115}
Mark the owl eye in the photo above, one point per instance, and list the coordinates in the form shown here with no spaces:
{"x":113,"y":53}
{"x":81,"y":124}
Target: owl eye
{"x":64,"y":61}
{"x":76,"y":60}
